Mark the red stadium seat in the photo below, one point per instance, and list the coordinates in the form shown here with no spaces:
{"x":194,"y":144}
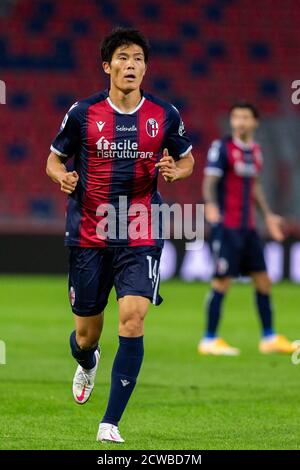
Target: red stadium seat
{"x":204,"y":59}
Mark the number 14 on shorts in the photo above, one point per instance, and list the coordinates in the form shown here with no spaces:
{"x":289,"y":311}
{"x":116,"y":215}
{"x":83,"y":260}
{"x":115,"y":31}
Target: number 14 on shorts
{"x":153,"y":271}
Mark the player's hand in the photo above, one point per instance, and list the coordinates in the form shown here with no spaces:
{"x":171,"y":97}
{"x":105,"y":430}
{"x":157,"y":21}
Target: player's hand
{"x":274,"y":225}
{"x":167,"y":167}
{"x":68,"y":182}
{"x":212,"y":213}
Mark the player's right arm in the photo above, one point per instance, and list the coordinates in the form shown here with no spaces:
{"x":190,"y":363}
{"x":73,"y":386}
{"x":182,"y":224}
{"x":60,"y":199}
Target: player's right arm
{"x":56,"y":170}
{"x":213,"y":172}
{"x":64,"y":146}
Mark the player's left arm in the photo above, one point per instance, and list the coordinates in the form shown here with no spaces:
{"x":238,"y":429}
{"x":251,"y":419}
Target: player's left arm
{"x":172,"y":170}
{"x":273,"y":221}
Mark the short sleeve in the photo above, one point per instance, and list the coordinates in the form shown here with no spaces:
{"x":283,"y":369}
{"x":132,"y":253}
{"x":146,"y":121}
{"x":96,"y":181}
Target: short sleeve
{"x":216,"y":159}
{"x":176,"y":141}
{"x":67,"y":141}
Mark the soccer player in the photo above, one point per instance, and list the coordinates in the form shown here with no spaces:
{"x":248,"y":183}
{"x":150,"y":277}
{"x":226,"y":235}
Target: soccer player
{"x":231,"y":190}
{"x":121,"y":139}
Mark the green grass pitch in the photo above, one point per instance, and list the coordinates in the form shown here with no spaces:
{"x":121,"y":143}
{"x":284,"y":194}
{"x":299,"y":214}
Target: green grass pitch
{"x":182,"y":401}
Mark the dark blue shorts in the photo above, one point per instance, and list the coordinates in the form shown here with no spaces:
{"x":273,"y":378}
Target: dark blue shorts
{"x":94,"y":271}
{"x":236,"y":251}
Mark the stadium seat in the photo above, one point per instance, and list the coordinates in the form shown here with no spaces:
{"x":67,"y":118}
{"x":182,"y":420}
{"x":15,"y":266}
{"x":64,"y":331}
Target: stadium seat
{"x":49,"y":58}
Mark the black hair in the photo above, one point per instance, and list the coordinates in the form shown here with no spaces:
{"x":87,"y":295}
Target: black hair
{"x":245,"y":105}
{"x":123,"y":36}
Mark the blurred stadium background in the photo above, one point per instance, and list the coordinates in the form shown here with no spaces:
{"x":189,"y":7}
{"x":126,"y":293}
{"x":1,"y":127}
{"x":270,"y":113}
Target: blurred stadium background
{"x":205,"y":55}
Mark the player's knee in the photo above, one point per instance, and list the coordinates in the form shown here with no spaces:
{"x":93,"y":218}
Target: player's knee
{"x":86,"y":340}
{"x":132,"y":320}
{"x":131,"y":326}
{"x":131,"y":329}
{"x":221,"y":284}
{"x":263,"y":284}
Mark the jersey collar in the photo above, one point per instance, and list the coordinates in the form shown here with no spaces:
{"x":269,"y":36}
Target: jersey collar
{"x":242,"y":145}
{"x":113,"y":106}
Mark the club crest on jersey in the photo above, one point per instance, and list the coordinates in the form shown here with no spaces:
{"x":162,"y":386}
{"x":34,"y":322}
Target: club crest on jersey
{"x":152,"y":127}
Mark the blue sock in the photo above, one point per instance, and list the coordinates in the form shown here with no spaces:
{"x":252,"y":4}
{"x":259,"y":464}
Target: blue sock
{"x":84,"y":357}
{"x":124,"y":373}
{"x":213,"y":311}
{"x":264,"y":307}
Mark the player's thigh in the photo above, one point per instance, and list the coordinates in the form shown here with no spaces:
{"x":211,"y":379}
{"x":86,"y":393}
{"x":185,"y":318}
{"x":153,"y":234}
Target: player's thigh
{"x":137,"y":273}
{"x":226,"y":250}
{"x":90,"y":280}
{"x":253,"y":258}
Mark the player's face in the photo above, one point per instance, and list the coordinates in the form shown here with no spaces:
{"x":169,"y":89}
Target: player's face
{"x":127,"y":68}
{"x":243,"y":123}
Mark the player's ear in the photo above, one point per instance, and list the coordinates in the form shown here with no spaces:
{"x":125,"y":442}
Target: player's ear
{"x":106,"y":67}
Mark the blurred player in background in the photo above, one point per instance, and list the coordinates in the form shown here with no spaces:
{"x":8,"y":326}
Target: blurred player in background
{"x":117,"y":137}
{"x":231,"y":190}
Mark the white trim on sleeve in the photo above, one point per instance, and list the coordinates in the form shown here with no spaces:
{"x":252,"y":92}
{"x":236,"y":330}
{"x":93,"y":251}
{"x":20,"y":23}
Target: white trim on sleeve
{"x":60,"y":154}
{"x":184,"y":154}
{"x":213,"y":171}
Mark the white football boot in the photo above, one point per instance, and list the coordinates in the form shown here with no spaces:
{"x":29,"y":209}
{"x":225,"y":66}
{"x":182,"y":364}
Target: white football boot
{"x":109,"y":433}
{"x":83,"y":382}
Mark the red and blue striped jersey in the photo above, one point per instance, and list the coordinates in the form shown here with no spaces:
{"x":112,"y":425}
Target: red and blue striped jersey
{"x":238,"y":165}
{"x":115,"y":155}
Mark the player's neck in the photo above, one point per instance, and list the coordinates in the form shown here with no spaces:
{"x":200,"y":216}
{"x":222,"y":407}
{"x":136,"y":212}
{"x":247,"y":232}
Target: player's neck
{"x":243,"y":139}
{"x":125,"y":102}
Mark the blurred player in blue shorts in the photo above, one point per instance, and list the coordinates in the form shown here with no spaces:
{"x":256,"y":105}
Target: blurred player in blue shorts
{"x":232,"y":190}
{"x":121,"y":139}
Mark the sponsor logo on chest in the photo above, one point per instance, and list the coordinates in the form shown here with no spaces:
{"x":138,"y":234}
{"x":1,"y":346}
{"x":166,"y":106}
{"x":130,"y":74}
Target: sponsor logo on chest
{"x":121,"y":146}
{"x":244,"y":165}
{"x":121,"y":149}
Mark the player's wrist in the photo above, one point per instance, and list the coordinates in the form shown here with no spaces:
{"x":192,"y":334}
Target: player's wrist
{"x":179,"y":174}
{"x":60,"y":176}
{"x":182,"y":173}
